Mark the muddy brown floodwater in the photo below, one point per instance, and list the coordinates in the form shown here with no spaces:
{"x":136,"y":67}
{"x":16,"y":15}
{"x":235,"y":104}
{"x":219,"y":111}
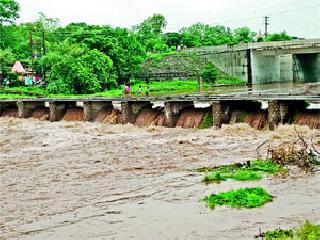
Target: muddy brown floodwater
{"x":74,"y":180}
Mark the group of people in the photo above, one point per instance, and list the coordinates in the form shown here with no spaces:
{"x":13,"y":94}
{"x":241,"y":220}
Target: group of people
{"x":127,"y":90}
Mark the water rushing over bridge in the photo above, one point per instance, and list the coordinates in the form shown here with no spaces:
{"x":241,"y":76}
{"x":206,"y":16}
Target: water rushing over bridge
{"x":225,"y":108}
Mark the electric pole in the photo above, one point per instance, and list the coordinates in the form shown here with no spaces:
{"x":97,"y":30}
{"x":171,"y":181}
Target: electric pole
{"x":43,"y":53}
{"x":43,"y":44}
{"x":31,"y":45}
{"x":266,"y":24}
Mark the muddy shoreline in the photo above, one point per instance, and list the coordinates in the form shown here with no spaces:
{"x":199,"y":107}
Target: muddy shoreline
{"x":75,"y":180}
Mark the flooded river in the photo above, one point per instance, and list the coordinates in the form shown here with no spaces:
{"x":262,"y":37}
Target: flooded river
{"x":75,"y":180}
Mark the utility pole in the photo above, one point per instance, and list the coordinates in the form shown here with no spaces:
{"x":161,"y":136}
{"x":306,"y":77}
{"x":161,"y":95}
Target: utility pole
{"x":31,"y":45}
{"x":43,"y":53}
{"x":43,"y":44}
{"x":266,"y":24}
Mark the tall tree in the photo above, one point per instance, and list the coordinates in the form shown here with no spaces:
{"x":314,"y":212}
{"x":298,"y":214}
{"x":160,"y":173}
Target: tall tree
{"x":9,"y":11}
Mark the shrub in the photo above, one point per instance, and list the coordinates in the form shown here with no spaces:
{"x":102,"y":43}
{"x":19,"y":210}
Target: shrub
{"x":210,"y":73}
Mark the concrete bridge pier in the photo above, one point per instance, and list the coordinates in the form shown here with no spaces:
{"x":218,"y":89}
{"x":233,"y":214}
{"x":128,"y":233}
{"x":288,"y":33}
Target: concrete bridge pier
{"x":172,"y":111}
{"x":274,"y":114}
{"x":58,"y":109}
{"x":91,"y":109}
{"x":25,"y":109}
{"x":131,"y":110}
{"x":221,"y":111}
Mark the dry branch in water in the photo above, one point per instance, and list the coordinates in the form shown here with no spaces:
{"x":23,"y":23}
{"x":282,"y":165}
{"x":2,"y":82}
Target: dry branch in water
{"x":295,"y":153}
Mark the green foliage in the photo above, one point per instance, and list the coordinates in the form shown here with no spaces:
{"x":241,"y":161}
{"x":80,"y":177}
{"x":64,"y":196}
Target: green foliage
{"x":307,"y":231}
{"x":243,"y":35}
{"x":173,"y":39}
{"x":210,"y":73}
{"x":278,"y":234}
{"x":239,"y":175}
{"x":78,"y":71}
{"x":240,"y":198}
{"x":205,"y":35}
{"x":6,"y":62}
{"x":278,"y":37}
{"x":9,"y":11}
{"x":264,"y":166}
{"x":207,"y":121}
{"x":241,"y":172}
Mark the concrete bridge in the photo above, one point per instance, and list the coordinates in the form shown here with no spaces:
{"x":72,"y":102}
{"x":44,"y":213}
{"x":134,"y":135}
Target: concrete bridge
{"x":266,"y":62}
{"x":280,"y":107}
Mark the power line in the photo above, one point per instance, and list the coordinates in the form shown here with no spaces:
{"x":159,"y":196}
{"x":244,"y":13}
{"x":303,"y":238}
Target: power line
{"x":175,"y":27}
{"x":248,"y":12}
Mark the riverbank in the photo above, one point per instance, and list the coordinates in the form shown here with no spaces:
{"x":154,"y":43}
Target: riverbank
{"x":75,"y":180}
{"x":156,"y":88}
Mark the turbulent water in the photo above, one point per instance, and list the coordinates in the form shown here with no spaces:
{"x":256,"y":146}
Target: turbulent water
{"x":75,"y":180}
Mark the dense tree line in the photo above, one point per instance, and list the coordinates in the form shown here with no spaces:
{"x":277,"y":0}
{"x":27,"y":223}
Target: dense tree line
{"x":82,"y":58}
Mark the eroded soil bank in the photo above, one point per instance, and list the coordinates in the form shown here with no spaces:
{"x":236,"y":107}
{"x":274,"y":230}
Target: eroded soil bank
{"x":74,"y":180}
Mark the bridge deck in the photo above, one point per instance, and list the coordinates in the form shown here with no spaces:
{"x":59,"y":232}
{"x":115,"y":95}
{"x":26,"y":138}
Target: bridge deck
{"x":198,"y":98}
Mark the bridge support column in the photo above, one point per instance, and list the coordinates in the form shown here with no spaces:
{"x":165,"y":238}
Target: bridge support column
{"x":25,"y":109}
{"x":92,"y":109}
{"x":274,"y":114}
{"x":131,"y":110}
{"x":220,"y":113}
{"x":172,"y":111}
{"x":57,"y":110}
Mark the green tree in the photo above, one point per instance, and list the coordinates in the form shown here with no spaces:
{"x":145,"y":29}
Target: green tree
{"x":210,"y":73}
{"x":243,"y":35}
{"x":205,"y":35}
{"x":9,"y":11}
{"x":173,"y":39}
{"x":278,"y":37}
{"x":7,"y":59}
{"x":150,"y":33}
{"x":77,"y":70}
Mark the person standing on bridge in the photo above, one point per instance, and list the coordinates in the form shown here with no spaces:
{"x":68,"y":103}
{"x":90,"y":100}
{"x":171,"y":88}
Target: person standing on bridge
{"x":147,"y":91}
{"x":139,"y":89}
{"x":127,"y":90}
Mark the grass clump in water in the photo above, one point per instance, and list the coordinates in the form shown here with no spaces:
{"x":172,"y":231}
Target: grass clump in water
{"x":241,"y":172}
{"x":278,"y":234}
{"x":308,"y":231}
{"x":241,"y":198}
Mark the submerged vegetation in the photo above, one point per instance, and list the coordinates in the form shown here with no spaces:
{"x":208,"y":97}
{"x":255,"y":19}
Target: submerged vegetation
{"x":252,"y":170}
{"x":240,"y":198}
{"x":308,"y":231}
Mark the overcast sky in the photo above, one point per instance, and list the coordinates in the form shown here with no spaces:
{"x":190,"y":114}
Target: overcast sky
{"x":297,"y":17}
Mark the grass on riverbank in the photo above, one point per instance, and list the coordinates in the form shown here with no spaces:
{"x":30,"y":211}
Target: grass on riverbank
{"x":252,"y":170}
{"x":240,"y":198}
{"x":165,"y":88}
{"x":307,"y":231}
